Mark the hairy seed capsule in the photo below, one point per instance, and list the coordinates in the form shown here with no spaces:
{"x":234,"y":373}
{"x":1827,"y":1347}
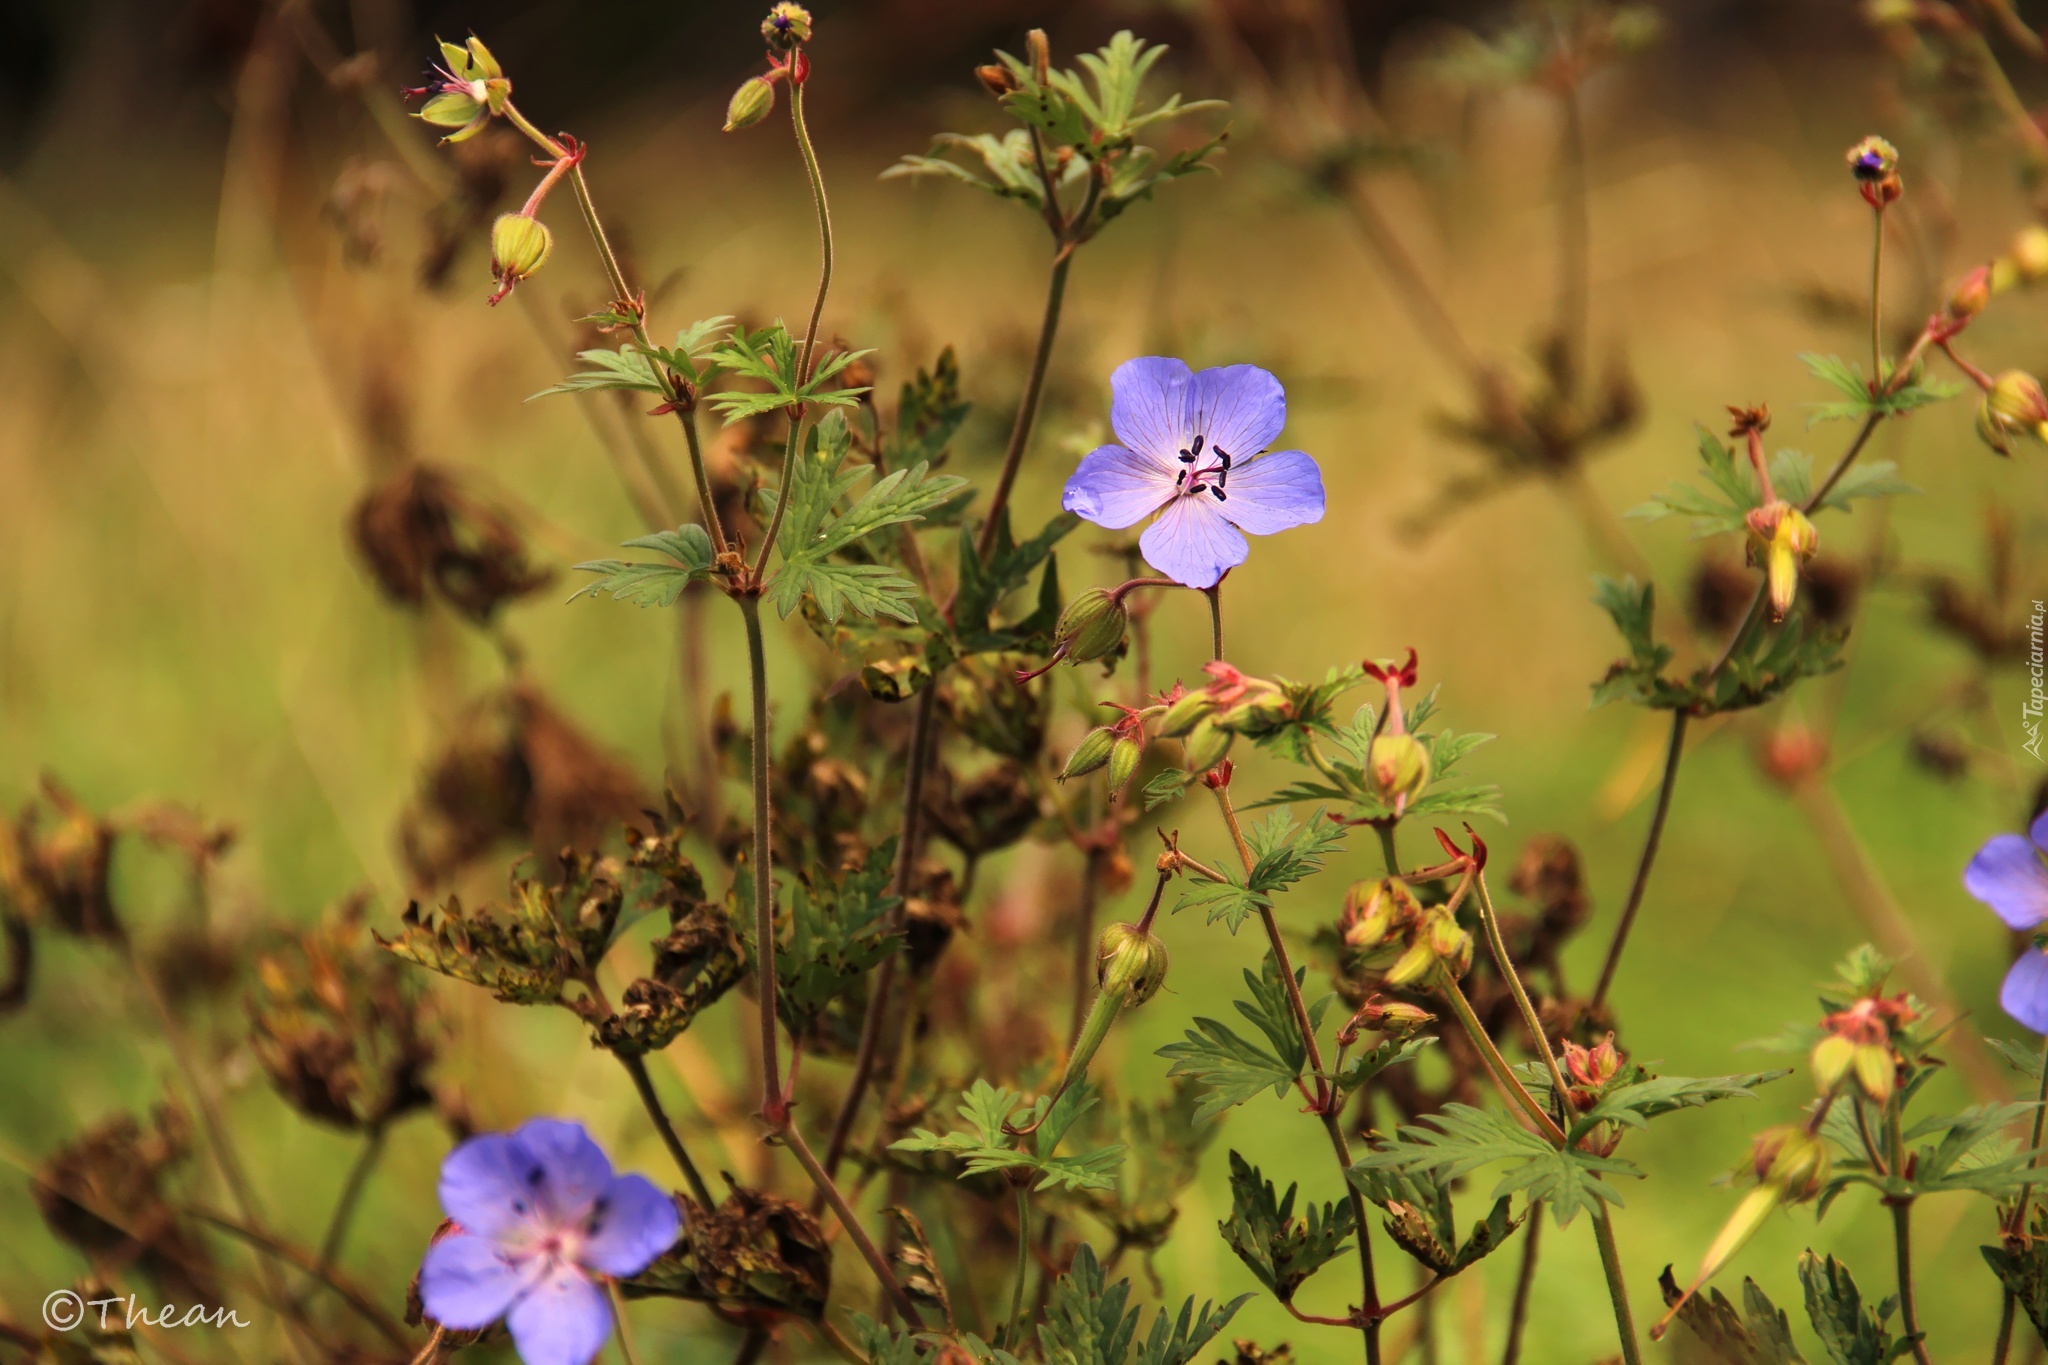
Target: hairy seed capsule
{"x":752,"y":102}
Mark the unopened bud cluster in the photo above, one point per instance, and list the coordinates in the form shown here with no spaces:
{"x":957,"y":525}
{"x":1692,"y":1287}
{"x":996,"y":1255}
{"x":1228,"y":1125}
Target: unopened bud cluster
{"x":1858,"y":1047}
{"x":1413,"y":946}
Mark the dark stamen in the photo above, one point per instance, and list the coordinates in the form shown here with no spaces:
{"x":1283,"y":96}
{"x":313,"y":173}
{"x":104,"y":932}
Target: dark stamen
{"x":1180,"y":478}
{"x":1198,"y":444}
{"x":1221,"y":496}
{"x":1187,"y":457}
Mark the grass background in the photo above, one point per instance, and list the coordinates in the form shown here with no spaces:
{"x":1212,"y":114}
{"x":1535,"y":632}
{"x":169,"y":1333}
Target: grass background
{"x":181,"y":617}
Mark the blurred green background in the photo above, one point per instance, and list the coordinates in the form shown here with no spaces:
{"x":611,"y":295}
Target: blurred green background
{"x":205,"y":363}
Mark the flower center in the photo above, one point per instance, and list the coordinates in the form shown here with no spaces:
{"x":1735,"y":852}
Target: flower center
{"x":1190,"y":481}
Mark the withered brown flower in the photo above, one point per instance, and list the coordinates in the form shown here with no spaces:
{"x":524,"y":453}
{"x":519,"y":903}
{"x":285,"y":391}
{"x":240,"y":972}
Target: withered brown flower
{"x":421,"y":530}
{"x":105,"y":1193}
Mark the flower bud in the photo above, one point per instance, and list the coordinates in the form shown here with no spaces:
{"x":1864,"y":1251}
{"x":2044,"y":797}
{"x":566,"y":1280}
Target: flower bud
{"x":1593,"y":1067}
{"x":1793,"y":1160}
{"x":997,"y":79}
{"x":1092,"y":626}
{"x":1832,"y":1058}
{"x":1875,"y":1071}
{"x":1399,"y":768}
{"x":1091,"y":753}
{"x":1376,"y":911}
{"x":787,"y":27}
{"x":1183,"y":714}
{"x":1397,"y":1018}
{"x":1205,"y":746}
{"x":1130,"y":962}
{"x":2030,"y":253}
{"x":1872,"y":159}
{"x":752,"y":102}
{"x":1258,"y":711}
{"x":1783,"y":539}
{"x":520,"y":245}
{"x":1971,"y":293}
{"x":2014,"y":406}
{"x":1124,"y":755}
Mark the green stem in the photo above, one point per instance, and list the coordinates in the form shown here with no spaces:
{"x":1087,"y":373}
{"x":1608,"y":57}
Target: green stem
{"x":1327,"y":1100}
{"x":808,"y":361}
{"x":1013,"y":1330}
{"x":1525,"y":1282}
{"x":1215,"y":596}
{"x":1674,"y":751}
{"x":1491,"y":920}
{"x":636,"y":1067}
{"x":851,"y":1222}
{"x":2016,"y":1230}
{"x":1390,"y":852}
{"x":1027,"y":407}
{"x":626,"y":1352}
{"x":774,"y":1107}
{"x":351,"y":1195}
{"x":1877,"y":300}
{"x":1497,"y":1064}
{"x":1909,"y":1313}
{"x":1617,"y":1287}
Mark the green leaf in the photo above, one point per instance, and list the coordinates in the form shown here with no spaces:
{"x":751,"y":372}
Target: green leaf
{"x":1421,"y":1221}
{"x":1850,"y":1333}
{"x":1234,"y":1068}
{"x":988,"y":1147}
{"x":1191,"y":1331}
{"x":1860,"y":402}
{"x":1974,"y":1153}
{"x":650,"y":584}
{"x":627,"y":368}
{"x":1463,"y":1139}
{"x":1762,"y":1337}
{"x":1169,"y":785}
{"x":1635,"y":1105}
{"x":2025,"y":1060}
{"x":837,"y":934}
{"x":1283,"y":852}
{"x":1089,"y":1322}
{"x":1280,"y":1250}
{"x":1367,"y":1065}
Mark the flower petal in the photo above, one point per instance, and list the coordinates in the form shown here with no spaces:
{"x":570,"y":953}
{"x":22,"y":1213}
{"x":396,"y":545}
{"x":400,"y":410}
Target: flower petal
{"x":631,"y":1225}
{"x":483,"y":1186}
{"x":1145,"y":408}
{"x":467,"y":1282}
{"x":563,"y":1321}
{"x":1191,"y":543}
{"x":565,"y":1170}
{"x":2008,"y":875}
{"x":2024,"y":995}
{"x":1238,"y":409}
{"x":1115,"y":488}
{"x":1274,"y":492}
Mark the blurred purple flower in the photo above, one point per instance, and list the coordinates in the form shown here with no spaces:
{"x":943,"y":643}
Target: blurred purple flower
{"x":2009,"y":874}
{"x":1191,"y":449}
{"x":539,"y":1214}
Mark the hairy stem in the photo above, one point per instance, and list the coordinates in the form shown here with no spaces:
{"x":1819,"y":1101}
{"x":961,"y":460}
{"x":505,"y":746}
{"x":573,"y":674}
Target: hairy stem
{"x":1327,"y":1105}
{"x":1909,"y":1313}
{"x":1027,"y":407}
{"x":351,"y":1195}
{"x":1508,"y":974}
{"x":774,"y":1105}
{"x":1617,"y":1286}
{"x":1673,"y":753}
{"x":1876,"y":298}
{"x":1525,"y":1282}
{"x":1510,"y":1083}
{"x":851,"y":1222}
{"x":636,"y":1067}
{"x":1013,"y":1329}
{"x":807,"y":363}
{"x":626,"y":1352}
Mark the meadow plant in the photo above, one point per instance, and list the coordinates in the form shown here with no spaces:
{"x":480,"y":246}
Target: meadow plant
{"x":970,"y":1155}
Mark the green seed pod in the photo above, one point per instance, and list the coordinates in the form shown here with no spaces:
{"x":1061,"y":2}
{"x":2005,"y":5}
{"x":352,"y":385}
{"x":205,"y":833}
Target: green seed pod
{"x":1182,"y":716}
{"x":1123,"y":761}
{"x":1206,"y":746}
{"x":1091,"y":753}
{"x":519,"y":246}
{"x":1092,"y":626}
{"x":752,"y":102}
{"x":1399,"y":767}
{"x":1130,"y":962}
{"x":1257,"y":713}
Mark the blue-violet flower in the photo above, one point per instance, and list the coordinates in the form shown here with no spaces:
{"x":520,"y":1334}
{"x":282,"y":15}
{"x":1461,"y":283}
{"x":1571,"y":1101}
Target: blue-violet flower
{"x":1192,"y":449}
{"x":2009,"y":875}
{"x":539,"y":1215}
